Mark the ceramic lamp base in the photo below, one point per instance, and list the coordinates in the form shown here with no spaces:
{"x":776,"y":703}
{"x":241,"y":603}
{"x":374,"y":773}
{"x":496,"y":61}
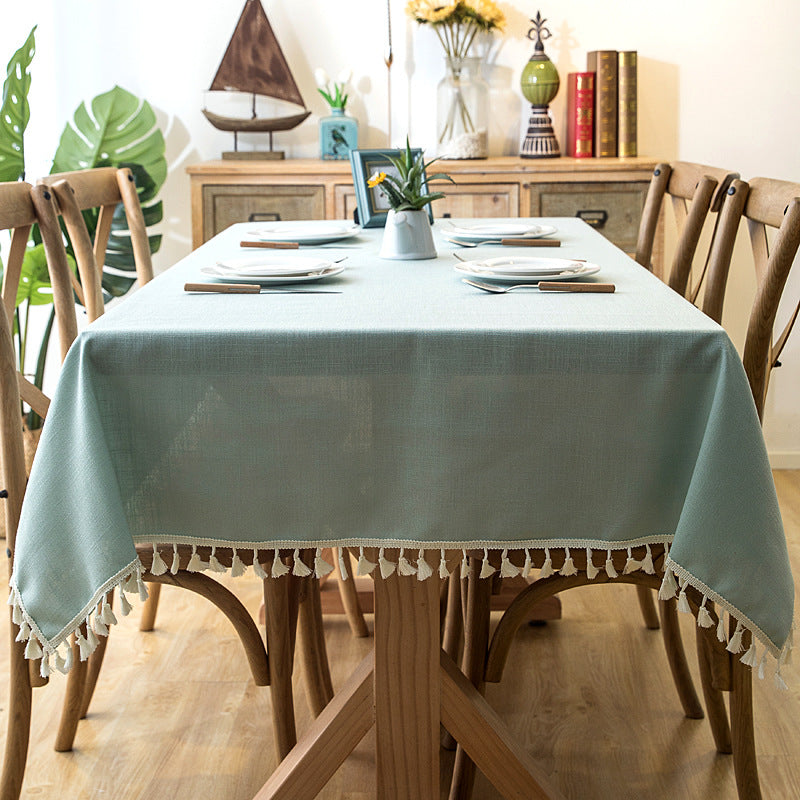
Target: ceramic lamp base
{"x":540,"y":140}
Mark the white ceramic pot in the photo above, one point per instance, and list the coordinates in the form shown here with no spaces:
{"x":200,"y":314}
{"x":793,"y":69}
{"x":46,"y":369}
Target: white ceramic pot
{"x":407,"y":235}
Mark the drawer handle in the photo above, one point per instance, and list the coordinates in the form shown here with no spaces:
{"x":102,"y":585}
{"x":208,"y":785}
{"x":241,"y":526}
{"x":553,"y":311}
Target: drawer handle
{"x":265,"y":216}
{"x":596,"y":218}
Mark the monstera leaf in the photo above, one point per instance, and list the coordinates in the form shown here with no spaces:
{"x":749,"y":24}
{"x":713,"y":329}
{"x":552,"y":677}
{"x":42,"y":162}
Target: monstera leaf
{"x":118,"y":130}
{"x":15,"y":112}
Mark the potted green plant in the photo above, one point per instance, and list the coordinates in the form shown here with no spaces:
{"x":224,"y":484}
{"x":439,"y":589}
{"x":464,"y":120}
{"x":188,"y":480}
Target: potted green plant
{"x":407,"y":233}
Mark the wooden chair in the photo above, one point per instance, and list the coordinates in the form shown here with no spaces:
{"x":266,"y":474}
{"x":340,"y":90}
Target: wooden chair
{"x":695,"y":190}
{"x":20,"y":207}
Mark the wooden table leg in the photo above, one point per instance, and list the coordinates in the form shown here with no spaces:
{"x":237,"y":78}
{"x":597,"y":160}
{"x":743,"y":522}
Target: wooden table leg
{"x":407,"y":687}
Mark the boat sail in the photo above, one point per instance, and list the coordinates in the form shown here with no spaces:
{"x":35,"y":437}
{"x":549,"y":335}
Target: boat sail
{"x":254,"y":63}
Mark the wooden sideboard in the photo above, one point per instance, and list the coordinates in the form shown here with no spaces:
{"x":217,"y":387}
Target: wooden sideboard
{"x":608,"y":193}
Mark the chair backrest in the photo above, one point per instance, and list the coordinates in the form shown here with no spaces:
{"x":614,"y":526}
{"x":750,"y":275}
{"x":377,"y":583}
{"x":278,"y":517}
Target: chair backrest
{"x":103,"y":188}
{"x":695,"y":190}
{"x":22,"y":205}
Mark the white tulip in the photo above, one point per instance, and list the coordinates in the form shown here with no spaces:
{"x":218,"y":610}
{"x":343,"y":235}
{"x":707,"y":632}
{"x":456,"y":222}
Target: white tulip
{"x":344,"y":76}
{"x":321,"y":77}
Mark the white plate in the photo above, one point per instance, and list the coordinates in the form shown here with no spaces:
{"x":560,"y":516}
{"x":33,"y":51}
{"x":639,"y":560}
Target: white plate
{"x":490,"y":232}
{"x":264,"y":266}
{"x":475,"y":270}
{"x":263,"y":280}
{"x":313,"y":232}
{"x":527,"y":265}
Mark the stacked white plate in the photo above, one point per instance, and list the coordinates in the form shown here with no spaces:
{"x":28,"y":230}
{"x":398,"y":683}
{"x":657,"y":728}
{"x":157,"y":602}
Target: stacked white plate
{"x":311,"y":232}
{"x":272,"y":269}
{"x":494,"y":232}
{"x":524,"y":269}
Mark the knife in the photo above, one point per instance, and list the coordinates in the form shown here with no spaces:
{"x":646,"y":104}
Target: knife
{"x":271,"y":245}
{"x":248,"y":288}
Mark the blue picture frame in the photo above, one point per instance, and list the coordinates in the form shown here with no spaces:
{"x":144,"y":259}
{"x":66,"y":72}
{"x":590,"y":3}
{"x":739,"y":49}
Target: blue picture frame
{"x":372,"y":205}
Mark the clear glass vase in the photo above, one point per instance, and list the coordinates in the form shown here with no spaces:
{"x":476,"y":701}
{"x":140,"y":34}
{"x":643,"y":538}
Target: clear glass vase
{"x":462,"y":110}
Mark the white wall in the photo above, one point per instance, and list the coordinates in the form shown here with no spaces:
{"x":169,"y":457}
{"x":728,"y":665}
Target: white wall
{"x":717,"y":85}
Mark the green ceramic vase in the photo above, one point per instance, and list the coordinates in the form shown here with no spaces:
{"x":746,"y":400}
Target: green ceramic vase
{"x":539,"y":80}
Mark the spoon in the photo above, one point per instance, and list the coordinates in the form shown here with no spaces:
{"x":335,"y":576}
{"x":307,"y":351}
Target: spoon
{"x":544,"y":286}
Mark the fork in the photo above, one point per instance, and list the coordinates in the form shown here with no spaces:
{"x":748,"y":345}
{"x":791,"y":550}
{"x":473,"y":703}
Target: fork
{"x":512,"y":242}
{"x":544,"y":286}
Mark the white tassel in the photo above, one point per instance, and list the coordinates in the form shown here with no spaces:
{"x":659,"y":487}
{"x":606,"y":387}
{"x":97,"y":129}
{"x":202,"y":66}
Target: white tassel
{"x":69,"y":659}
{"x":780,"y":683}
{"x":750,"y":658}
{"x":33,"y":650}
{"x":424,"y":570}
{"x":386,"y":567}
{"x":591,"y":570}
{"x":464,"y":565}
{"x":91,"y":637}
{"x":321,"y":566}
{"x":647,"y":564}
{"x":487,"y":570}
{"x":213,"y":562}
{"x":141,"y":588}
{"x":507,"y":569}
{"x":547,"y":568}
{"x":703,"y":617}
{"x":669,"y":586}
{"x":238,"y":567}
{"x":131,"y":585}
{"x":83,"y":646}
{"x":786,"y":653}
{"x":176,"y":561}
{"x":403,"y":565}
{"x":299,"y":567}
{"x":24,"y":632}
{"x":609,"y":566}
{"x":158,"y":567}
{"x":721,"y":635}
{"x":44,"y":667}
{"x":683,"y":603}
{"x":342,"y":564}
{"x":735,"y":644}
{"x":195,"y":562}
{"x":99,"y":626}
{"x":364,"y":566}
{"x":443,"y":571}
{"x":568,"y":567}
{"x":124,"y":606}
{"x":279,"y":569}
{"x":107,"y":613}
{"x":16,"y":615}
{"x":526,"y":567}
{"x":631,"y":565}
{"x":259,"y":571}
{"x":59,"y":663}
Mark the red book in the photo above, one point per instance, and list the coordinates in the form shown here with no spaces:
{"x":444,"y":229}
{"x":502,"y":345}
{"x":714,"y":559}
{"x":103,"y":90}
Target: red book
{"x":580,"y":114}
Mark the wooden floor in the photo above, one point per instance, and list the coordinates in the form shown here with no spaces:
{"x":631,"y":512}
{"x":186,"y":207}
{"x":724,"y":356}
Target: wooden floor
{"x":175,"y":715}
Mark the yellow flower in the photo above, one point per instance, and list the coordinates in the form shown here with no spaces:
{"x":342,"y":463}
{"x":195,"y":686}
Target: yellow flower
{"x":432,"y":11}
{"x":488,"y":13}
{"x":376,"y":179}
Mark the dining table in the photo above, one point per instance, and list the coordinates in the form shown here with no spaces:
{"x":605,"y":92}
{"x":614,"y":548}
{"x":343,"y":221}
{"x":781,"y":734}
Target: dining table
{"x":417,"y":420}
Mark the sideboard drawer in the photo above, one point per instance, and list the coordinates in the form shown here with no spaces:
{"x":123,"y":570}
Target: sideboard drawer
{"x":614,"y":209}
{"x":224,"y":205}
{"x":476,"y":200}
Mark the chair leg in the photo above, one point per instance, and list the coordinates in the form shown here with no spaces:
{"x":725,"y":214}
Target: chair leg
{"x":648,"y":607}
{"x":280,"y":647}
{"x":18,"y":729}
{"x":150,"y":608}
{"x":313,"y":652}
{"x":73,"y":701}
{"x":715,"y":702}
{"x":745,"y":765}
{"x":473,"y":665}
{"x":452,"y":636}
{"x":676,"y":655}
{"x":94,"y":665}
{"x":349,"y":595}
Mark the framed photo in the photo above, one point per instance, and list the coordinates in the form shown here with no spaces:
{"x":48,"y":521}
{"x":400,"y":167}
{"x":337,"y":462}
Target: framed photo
{"x":372,"y":203}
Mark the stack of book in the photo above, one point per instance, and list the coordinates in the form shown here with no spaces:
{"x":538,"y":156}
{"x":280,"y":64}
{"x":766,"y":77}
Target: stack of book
{"x":601,"y":106}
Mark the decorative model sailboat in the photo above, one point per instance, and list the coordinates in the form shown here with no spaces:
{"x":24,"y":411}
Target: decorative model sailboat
{"x":254,"y":63}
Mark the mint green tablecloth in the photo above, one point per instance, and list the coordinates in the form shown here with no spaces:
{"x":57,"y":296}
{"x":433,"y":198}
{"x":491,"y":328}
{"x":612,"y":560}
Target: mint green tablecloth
{"x":409,"y":410}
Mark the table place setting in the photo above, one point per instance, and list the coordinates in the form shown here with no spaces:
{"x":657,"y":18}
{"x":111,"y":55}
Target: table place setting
{"x":516,"y":234}
{"x":264,"y":270}
{"x":513,"y":269}
{"x":291,"y":235}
